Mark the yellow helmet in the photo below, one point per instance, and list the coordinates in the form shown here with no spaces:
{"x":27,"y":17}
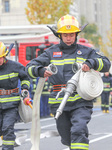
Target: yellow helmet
{"x":68,"y":24}
{"x":3,"y":49}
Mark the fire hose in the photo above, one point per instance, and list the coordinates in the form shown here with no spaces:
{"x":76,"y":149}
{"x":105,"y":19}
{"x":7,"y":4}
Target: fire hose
{"x":25,"y":107}
{"x":35,"y":129}
{"x":88,"y":85}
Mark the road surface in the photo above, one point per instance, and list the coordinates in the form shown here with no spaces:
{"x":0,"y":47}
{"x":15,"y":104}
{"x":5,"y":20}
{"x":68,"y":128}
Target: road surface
{"x":100,"y":133}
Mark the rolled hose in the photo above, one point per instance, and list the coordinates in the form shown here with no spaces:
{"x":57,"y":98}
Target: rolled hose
{"x":90,"y":84}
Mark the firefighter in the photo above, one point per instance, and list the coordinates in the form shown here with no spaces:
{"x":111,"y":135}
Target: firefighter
{"x":107,"y":90}
{"x":10,"y":72}
{"x":33,"y":88}
{"x":111,"y":101}
{"x":72,"y":124}
{"x":44,"y":108}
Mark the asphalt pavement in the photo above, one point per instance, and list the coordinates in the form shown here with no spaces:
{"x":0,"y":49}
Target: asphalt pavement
{"x":100,"y":133}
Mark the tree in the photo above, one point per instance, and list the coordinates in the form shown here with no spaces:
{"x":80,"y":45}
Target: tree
{"x":103,"y":48}
{"x":46,"y":11}
{"x":109,"y":36}
{"x":108,"y":45}
{"x":90,"y":32}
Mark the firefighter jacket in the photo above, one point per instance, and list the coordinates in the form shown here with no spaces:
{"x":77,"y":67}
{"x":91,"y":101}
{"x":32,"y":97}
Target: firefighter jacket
{"x":107,"y":84}
{"x":47,"y":88}
{"x":63,"y":57}
{"x":10,"y":73}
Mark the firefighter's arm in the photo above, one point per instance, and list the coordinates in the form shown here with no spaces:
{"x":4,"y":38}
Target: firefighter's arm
{"x":98,"y":62}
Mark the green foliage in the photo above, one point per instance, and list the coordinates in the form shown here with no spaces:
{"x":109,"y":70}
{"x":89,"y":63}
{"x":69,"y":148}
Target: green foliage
{"x":90,"y":32}
{"x":103,"y":48}
{"x":106,"y":48}
{"x":46,"y":11}
{"x":109,"y":36}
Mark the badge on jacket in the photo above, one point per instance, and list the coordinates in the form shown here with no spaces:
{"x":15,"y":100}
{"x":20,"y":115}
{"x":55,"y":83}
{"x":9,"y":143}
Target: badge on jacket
{"x":79,"y":52}
{"x":57,"y":54}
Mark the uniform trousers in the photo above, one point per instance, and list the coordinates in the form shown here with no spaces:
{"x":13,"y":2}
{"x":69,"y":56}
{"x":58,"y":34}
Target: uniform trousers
{"x":105,"y":100}
{"x":44,"y":108}
{"x":8,"y":118}
{"x":72,"y":127}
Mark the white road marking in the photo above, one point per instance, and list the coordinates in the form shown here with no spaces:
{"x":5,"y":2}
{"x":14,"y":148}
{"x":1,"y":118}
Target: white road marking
{"x":48,"y":126}
{"x":100,"y":138}
{"x":95,"y":140}
{"x":41,"y":135}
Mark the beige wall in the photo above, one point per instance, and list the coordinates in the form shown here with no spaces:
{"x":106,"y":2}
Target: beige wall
{"x":16,"y":16}
{"x":104,"y":7}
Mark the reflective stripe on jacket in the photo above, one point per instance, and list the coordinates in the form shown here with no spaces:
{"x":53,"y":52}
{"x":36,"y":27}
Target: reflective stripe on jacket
{"x":10,"y":72}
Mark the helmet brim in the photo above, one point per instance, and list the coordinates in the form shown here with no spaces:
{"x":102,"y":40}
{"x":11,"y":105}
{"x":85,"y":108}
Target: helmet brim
{"x":4,"y":55}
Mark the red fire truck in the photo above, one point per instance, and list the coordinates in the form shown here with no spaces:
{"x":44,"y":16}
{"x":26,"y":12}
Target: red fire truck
{"x":84,"y":42}
{"x":25,"y":52}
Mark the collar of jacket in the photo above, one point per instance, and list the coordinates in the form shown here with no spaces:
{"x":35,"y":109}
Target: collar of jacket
{"x":67,"y":49}
{"x":5,"y":61}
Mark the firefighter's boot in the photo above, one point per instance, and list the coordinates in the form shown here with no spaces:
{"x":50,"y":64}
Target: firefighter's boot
{"x":104,"y":111}
{"x":107,"y":111}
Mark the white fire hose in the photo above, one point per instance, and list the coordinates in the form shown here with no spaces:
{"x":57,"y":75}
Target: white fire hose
{"x":88,"y":85}
{"x":35,"y":130}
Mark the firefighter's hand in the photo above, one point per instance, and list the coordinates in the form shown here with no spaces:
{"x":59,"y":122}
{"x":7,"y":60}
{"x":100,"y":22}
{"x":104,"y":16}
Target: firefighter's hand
{"x":111,"y":93}
{"x":47,"y":73}
{"x":85,"y":68}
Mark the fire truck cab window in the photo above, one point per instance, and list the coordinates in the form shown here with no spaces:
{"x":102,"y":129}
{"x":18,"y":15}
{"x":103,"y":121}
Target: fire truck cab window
{"x":30,"y":52}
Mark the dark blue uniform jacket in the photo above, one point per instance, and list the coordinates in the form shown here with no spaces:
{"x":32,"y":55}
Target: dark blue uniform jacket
{"x":63,"y":57}
{"x":10,"y":72}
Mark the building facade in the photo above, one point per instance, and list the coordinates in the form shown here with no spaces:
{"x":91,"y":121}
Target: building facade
{"x":12,"y":13}
{"x":98,"y":12}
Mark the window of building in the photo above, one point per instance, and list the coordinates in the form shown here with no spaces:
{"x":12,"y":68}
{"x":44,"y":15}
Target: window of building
{"x":95,"y":11}
{"x":95,"y":6}
{"x":6,"y":5}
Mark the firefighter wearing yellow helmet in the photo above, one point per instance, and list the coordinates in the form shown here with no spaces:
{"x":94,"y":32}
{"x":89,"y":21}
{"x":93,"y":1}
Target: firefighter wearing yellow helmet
{"x":3,"y":50}
{"x":10,"y":73}
{"x":72,"y":123}
{"x":68,"y":24}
